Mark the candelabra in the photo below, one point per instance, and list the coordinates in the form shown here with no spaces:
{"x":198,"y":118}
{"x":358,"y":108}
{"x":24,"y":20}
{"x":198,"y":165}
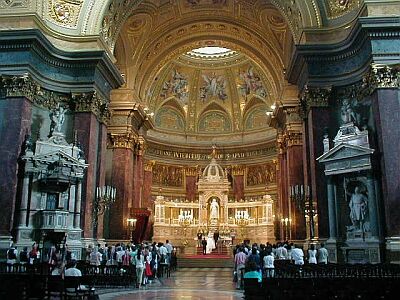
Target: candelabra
{"x":105,"y":197}
{"x":301,"y":196}
{"x":286,"y":223}
{"x":242,"y":220}
{"x":131,"y":227}
{"x":185,"y":219}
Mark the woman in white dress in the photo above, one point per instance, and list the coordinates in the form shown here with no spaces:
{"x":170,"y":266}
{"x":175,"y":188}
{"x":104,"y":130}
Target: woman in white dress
{"x":210,"y":243}
{"x":312,"y":255}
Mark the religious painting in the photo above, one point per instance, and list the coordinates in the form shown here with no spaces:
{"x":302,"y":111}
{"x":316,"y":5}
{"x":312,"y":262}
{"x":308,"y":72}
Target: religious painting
{"x":167,"y":175}
{"x":261,"y":174}
{"x":257,"y":119}
{"x":214,"y":122}
{"x":250,"y":83}
{"x":177,"y":86}
{"x":213,"y":87}
{"x":169,"y":118}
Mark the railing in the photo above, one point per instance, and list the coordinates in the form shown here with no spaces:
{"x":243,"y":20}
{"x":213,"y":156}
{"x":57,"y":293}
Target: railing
{"x":54,"y":219}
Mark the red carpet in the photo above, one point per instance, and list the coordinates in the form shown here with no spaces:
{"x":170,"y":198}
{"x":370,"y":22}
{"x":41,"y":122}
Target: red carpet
{"x":206,"y":256}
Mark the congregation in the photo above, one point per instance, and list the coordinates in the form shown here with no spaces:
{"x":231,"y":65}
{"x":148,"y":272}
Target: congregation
{"x":258,"y":261}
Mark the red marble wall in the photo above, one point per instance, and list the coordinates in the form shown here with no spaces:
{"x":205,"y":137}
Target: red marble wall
{"x":386,"y":109}
{"x":87,"y":129}
{"x":15,"y":123}
{"x":191,"y":187}
{"x":122,"y":174}
{"x":238,"y":186}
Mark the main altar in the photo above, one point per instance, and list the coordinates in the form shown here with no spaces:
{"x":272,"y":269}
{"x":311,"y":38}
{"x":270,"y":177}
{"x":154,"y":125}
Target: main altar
{"x":181,"y":220}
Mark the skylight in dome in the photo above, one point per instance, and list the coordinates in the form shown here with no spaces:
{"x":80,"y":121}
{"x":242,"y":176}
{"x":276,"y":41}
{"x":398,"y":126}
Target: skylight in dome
{"x":211,"y":50}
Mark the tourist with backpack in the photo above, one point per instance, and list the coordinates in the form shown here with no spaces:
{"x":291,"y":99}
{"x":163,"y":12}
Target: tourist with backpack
{"x":12,"y":254}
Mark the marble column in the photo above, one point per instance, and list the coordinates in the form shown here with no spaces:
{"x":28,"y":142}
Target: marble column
{"x":372,"y":207}
{"x":122,"y":174}
{"x":318,"y":121}
{"x":87,"y":131}
{"x":332,"y":209}
{"x":101,"y":174}
{"x":238,"y":181}
{"x":386,"y":107}
{"x":147,"y":200}
{"x":77,"y":208}
{"x":191,"y":180}
{"x":18,"y":113}
{"x":294,"y":171}
{"x":138,"y":173}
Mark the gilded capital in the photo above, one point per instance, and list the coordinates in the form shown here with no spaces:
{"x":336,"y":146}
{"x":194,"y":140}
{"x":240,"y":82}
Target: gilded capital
{"x":294,"y":139}
{"x":385,"y":76}
{"x":19,"y":86}
{"x":149,"y":165}
{"x":122,"y":140}
{"x":238,"y":170}
{"x":191,"y":171}
{"x":140,"y":146}
{"x":94,"y":103}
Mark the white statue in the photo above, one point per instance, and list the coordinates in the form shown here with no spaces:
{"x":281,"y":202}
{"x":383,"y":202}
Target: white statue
{"x":358,"y":208}
{"x":214,"y":210}
{"x":57,"y":117}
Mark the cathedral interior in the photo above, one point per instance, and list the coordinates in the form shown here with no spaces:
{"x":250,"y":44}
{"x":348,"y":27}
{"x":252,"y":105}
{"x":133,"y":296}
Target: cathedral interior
{"x":264,"y":120}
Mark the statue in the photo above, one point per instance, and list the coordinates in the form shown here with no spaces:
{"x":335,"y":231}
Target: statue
{"x":57,"y":117}
{"x":214,"y":210}
{"x":358,"y":209}
{"x":347,"y":113}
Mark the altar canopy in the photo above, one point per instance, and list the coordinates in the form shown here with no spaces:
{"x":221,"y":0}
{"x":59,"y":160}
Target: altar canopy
{"x":213,"y":212}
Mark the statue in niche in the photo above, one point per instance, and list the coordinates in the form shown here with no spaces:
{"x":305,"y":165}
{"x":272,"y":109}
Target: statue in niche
{"x":57,"y":117}
{"x":214,"y":210}
{"x":347,"y":113}
{"x":358,"y":205}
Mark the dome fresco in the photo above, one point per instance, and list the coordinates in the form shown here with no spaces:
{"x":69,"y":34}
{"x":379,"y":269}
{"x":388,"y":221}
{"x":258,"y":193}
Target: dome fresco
{"x":209,"y":97}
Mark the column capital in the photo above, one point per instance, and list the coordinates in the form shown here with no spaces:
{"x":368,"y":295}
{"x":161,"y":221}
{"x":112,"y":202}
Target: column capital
{"x":294,"y":139}
{"x":92,"y":102}
{"x":191,"y":171}
{"x":122,"y":140}
{"x":238,"y":170}
{"x":314,"y":96}
{"x":140,"y":145}
{"x":382,"y":76}
{"x":149,"y":165}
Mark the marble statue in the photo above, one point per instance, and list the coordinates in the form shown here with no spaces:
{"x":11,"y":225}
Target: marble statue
{"x":358,"y":208}
{"x":214,"y":210}
{"x":57,"y":117}
{"x":347,"y":113}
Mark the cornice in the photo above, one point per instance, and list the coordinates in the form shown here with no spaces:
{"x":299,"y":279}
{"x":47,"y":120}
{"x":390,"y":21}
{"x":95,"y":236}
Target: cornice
{"x":67,"y":63}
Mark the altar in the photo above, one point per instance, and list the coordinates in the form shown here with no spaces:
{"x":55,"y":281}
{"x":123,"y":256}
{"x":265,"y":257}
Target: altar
{"x":180,"y":220}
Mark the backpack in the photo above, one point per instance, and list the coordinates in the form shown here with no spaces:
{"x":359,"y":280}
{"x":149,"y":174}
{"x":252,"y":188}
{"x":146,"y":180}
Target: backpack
{"x":11,"y":254}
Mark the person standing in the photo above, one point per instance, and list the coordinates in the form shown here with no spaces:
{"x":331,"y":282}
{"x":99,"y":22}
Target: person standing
{"x":216,"y":237}
{"x":269,"y":266}
{"x":12,"y":254}
{"x":322,"y":255}
{"x":312,"y":255}
{"x":240,"y":262}
{"x":199,"y":238}
{"x":169,"y":247}
{"x":204,"y":243}
{"x":297,"y":256}
{"x":139,"y":262}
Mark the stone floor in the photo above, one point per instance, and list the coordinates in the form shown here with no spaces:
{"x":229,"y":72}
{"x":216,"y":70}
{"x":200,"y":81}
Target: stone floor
{"x":186,"y":283}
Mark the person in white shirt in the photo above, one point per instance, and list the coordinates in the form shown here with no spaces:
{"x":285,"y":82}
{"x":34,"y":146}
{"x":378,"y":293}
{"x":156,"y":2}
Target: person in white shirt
{"x":322,"y":255}
{"x":312,"y":255}
{"x":297,"y":256}
{"x":12,"y":254}
{"x":163,"y":253}
{"x":73,"y":271}
{"x":269,"y":266}
{"x":139,"y":262}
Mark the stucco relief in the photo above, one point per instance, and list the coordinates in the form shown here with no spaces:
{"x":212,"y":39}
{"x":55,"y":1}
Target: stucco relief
{"x":168,"y":118}
{"x":4,"y":4}
{"x":214,"y":121}
{"x":261,"y":174}
{"x":338,"y":8}
{"x":257,"y":118}
{"x":65,"y":12}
